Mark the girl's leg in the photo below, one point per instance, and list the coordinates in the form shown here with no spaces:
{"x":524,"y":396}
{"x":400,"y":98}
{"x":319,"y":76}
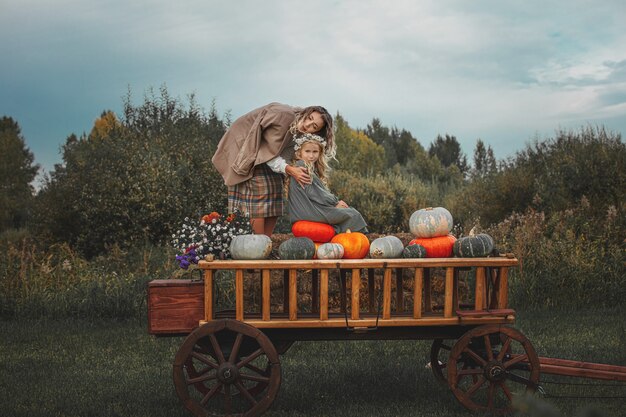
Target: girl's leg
{"x":264,"y":225}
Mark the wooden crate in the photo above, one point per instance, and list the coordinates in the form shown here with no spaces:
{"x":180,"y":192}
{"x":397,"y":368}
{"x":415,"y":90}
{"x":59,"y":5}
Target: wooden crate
{"x":175,"y":306}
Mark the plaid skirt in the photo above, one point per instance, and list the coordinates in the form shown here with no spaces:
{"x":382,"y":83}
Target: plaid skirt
{"x":260,"y":196}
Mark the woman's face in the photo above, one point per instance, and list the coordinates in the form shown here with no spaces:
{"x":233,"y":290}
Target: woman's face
{"x":310,"y":152}
{"x":312,"y":123}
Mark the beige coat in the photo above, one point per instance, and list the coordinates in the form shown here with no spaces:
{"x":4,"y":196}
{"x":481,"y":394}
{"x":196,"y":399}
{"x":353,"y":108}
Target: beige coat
{"x":254,"y":139}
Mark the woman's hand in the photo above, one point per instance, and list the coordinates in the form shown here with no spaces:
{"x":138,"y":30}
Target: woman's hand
{"x":341,"y":204}
{"x":300,"y":174}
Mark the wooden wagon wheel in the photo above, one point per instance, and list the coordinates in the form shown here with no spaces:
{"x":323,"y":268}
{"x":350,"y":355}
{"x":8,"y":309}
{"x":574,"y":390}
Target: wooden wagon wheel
{"x":227,"y":367}
{"x":490,"y":365}
{"x":439,"y":353}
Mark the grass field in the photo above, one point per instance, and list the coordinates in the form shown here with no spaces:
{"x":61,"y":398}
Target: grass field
{"x":109,"y":368}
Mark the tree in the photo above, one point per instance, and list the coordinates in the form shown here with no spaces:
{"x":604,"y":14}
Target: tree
{"x":448,"y":151}
{"x":133,"y":181}
{"x":17,"y":171}
{"x":484,"y":161}
{"x":356,"y":152}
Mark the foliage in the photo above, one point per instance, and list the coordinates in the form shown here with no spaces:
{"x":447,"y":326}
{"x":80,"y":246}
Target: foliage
{"x":209,"y":236}
{"x":448,"y":151}
{"x":17,"y":171}
{"x":550,"y":176}
{"x":356,"y":153}
{"x":566,"y":259}
{"x":131,"y":181}
{"x":386,"y":200}
{"x":484,"y":161}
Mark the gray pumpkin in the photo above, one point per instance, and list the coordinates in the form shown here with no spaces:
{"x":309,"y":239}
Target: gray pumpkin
{"x":251,"y":247}
{"x":297,"y":248}
{"x":386,"y":247}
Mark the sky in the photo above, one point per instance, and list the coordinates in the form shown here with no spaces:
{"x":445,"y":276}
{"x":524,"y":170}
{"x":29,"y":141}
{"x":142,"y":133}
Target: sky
{"x":507,"y":72}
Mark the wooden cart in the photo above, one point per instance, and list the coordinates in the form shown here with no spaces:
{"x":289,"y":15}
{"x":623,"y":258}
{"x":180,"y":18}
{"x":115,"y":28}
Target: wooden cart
{"x":229,"y":364}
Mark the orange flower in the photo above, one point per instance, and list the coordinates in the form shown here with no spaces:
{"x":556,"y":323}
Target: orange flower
{"x":230,"y":217}
{"x":208,"y":218}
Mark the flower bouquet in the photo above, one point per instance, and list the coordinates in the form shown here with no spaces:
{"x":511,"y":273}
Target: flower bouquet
{"x":211,"y":236}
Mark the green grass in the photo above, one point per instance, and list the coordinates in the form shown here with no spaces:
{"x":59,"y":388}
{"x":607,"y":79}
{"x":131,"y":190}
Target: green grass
{"x":109,"y":368}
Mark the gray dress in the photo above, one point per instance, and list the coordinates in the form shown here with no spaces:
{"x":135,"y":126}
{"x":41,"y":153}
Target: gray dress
{"x":315,"y":203}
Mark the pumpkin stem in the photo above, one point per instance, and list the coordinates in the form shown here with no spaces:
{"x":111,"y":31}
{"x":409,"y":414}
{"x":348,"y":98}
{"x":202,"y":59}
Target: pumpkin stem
{"x":472,"y":232}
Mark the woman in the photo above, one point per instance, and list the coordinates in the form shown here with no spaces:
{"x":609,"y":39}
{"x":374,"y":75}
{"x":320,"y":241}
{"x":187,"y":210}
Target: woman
{"x":252,"y":154}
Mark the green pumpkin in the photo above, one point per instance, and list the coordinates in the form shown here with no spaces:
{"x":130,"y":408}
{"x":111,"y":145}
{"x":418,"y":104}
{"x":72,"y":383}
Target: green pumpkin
{"x":386,"y":247}
{"x":473,"y":246}
{"x":251,"y":247}
{"x":297,"y":248}
{"x":414,"y":251}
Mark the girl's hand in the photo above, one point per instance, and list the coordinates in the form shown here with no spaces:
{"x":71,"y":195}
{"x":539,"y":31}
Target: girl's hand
{"x":300,"y":174}
{"x":341,"y":204}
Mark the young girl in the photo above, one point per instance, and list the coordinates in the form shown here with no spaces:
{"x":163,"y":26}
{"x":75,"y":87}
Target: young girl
{"x":314,"y":202}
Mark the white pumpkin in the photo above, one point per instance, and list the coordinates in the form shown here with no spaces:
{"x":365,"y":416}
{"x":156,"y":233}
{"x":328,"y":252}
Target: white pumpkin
{"x":386,"y":247}
{"x":250,"y":247}
{"x":431,"y":222}
{"x":330,"y":251}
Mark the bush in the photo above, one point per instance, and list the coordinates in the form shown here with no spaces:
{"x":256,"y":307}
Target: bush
{"x":566,"y":260}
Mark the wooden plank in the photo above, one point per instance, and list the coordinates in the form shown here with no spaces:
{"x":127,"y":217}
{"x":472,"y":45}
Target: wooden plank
{"x":479,"y":292}
{"x":356,"y":286}
{"x":503,"y":288}
{"x":239,"y":294}
{"x":324,"y":294}
{"x":582,"y":372}
{"x":484,"y":313}
{"x":449,"y":292}
{"x":285,"y":291}
{"x":342,"y":292}
{"x":266,"y":294}
{"x":371,"y":290}
{"x":358,"y":263}
{"x":418,"y":283}
{"x":208,"y":294}
{"x":428,"y":303}
{"x":370,"y":322}
{"x":293,"y":294}
{"x":315,"y":285}
{"x":387,"y":293}
{"x":399,"y":291}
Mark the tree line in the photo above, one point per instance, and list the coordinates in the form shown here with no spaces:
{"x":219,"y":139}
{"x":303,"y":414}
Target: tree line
{"x":135,"y":177}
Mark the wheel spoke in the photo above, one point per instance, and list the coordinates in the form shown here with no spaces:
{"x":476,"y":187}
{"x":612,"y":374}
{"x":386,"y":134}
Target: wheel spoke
{"x":254,"y":378}
{"x":204,"y":359}
{"x":250,"y":358}
{"x":475,"y":356}
{"x":514,"y":360}
{"x":211,"y":393}
{"x":445,"y":347}
{"x":201,"y":378}
{"x":228,"y":401}
{"x":470,"y":371}
{"x":505,"y":348}
{"x":255,"y":369}
{"x":488,"y":347}
{"x":491,"y":395}
{"x":236,"y":346}
{"x":217,"y":349}
{"x":246,"y":393}
{"x":472,"y":390}
{"x":506,"y":390}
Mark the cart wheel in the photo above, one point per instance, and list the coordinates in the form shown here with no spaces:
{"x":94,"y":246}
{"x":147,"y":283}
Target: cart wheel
{"x":490,"y":365}
{"x":227,"y":367}
{"x":439,"y":353}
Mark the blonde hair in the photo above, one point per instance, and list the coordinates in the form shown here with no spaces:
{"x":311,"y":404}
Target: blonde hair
{"x":320,"y":167}
{"x":328,"y":131}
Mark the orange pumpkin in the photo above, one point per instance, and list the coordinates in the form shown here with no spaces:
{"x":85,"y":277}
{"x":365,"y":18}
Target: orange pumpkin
{"x":355,"y":244}
{"x":317,"y":232}
{"x":436,"y":247}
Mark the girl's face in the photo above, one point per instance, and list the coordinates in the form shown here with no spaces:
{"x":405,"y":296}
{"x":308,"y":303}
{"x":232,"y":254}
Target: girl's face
{"x":312,"y":123}
{"x":310,"y":152}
